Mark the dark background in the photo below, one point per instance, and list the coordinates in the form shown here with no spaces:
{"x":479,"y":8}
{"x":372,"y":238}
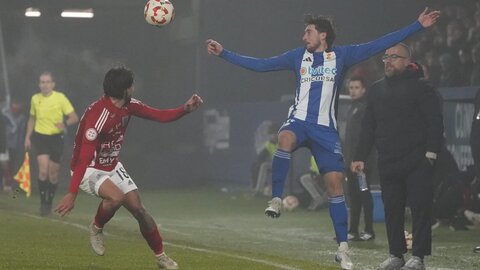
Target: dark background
{"x":171,"y":63}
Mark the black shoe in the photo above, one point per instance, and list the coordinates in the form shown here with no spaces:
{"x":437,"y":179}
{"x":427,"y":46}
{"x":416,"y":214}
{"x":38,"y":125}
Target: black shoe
{"x":45,"y":209}
{"x":458,"y":224}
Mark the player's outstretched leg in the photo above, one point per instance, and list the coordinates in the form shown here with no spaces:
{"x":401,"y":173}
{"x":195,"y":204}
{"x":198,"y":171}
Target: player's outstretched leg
{"x":149,"y":230}
{"x":113,"y":198}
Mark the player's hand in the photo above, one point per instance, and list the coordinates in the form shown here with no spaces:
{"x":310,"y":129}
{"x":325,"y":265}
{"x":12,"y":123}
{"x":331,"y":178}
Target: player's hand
{"x":66,"y":204}
{"x":213,"y":47}
{"x":357,"y":166}
{"x":428,"y":17}
{"x":28,"y":144}
{"x":193,"y":103}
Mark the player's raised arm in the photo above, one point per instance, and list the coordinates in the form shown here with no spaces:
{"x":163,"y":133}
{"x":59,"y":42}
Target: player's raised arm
{"x":165,"y":115}
{"x":361,"y":52}
{"x":284,"y":61}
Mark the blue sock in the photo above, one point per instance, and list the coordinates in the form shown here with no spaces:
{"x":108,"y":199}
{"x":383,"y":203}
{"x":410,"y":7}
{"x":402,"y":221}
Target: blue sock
{"x":280,"y":164}
{"x":338,"y":213}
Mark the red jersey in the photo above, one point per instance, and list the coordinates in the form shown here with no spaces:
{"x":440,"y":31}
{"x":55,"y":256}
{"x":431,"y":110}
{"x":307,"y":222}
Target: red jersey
{"x":101,"y":132}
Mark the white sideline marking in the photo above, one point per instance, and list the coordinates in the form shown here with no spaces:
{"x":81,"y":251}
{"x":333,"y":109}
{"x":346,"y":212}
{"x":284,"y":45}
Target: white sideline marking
{"x":269,"y":263}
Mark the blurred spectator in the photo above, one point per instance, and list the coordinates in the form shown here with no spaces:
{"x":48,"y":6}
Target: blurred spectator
{"x":16,"y":124}
{"x":475,"y":75}
{"x":450,"y":74}
{"x":456,"y":37}
{"x":262,"y":167}
{"x":466,"y":65}
{"x":314,"y":186}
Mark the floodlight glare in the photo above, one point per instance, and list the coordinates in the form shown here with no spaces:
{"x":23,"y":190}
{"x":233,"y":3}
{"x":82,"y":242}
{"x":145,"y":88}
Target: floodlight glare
{"x":77,"y":13}
{"x":32,"y":12}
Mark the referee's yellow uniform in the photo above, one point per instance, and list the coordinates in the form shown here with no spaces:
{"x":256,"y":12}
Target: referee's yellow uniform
{"x":48,"y":111}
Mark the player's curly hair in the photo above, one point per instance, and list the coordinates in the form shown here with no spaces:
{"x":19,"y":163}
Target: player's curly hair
{"x":323,"y":24}
{"x":116,"y":82}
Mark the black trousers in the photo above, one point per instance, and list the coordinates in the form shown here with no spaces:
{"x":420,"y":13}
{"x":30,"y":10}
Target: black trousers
{"x":357,"y":200}
{"x":416,"y":188}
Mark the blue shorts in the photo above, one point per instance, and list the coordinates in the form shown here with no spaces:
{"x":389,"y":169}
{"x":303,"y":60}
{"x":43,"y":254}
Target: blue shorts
{"x":323,"y":142}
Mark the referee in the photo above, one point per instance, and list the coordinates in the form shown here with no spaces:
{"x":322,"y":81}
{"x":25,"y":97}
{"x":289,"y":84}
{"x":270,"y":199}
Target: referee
{"x":44,"y":136}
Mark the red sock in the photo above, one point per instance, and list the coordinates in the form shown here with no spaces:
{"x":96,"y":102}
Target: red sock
{"x":154,"y":240}
{"x":102,"y":216}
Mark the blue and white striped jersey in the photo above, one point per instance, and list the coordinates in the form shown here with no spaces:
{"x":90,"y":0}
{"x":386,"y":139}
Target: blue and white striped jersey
{"x":318,"y":75}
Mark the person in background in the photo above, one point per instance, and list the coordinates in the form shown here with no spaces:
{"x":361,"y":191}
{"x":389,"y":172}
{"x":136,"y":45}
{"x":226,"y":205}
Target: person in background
{"x":262,"y":167}
{"x":44,"y":136}
{"x":359,"y":193}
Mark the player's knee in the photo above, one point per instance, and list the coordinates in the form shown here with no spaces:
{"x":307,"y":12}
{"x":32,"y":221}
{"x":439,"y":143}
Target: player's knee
{"x":117,"y":199}
{"x":286,"y":142}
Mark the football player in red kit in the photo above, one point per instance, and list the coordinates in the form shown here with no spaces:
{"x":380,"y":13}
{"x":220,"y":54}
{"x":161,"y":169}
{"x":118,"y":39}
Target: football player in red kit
{"x":95,"y":165}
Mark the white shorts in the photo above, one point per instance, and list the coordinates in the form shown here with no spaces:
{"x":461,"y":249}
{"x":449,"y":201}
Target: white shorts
{"x":94,"y":178}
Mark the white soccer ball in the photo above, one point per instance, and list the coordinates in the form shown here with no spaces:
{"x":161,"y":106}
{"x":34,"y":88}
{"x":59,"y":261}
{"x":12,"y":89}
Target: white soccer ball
{"x":159,"y":12}
{"x":290,"y":203}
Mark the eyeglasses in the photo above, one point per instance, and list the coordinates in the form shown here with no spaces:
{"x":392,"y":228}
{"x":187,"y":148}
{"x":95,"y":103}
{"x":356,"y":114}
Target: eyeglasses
{"x":392,"y":57}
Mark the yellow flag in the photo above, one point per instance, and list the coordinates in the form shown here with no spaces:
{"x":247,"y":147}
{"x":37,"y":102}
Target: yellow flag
{"x":23,"y":176}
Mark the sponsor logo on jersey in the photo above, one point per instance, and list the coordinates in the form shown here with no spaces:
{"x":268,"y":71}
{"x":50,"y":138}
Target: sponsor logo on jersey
{"x":317,"y":74}
{"x":320,"y":70}
{"x":91,"y":134}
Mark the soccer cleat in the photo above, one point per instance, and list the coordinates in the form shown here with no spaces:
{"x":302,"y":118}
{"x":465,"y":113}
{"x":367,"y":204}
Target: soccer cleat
{"x":353,"y":237}
{"x":164,"y":262}
{"x":343,"y":256}
{"x":274,"y":207}
{"x":96,"y":240}
{"x":392,"y":263}
{"x":415,"y":263}
{"x":472,"y":217}
{"x":367,"y":236}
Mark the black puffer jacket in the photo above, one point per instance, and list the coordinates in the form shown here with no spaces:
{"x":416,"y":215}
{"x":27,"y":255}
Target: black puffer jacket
{"x":404,"y":119}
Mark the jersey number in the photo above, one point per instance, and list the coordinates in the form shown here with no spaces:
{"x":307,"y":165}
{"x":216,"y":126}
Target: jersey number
{"x":122,"y":173}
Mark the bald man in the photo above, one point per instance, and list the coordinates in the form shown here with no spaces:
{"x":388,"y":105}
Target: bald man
{"x":403,"y":118}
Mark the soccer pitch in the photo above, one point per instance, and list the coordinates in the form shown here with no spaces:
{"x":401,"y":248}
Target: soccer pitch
{"x":202,"y":229}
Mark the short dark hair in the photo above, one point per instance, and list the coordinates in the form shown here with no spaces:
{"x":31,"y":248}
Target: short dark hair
{"x":357,"y":78}
{"x":117,"y":81}
{"x":323,"y":24}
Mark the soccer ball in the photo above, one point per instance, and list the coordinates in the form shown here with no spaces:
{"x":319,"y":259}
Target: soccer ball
{"x":159,"y":12}
{"x":290,"y":203}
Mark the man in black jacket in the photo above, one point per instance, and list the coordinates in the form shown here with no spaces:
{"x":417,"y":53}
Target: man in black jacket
{"x":404,"y":119}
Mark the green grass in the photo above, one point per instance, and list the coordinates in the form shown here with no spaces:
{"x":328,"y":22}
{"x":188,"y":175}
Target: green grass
{"x":203,"y":229}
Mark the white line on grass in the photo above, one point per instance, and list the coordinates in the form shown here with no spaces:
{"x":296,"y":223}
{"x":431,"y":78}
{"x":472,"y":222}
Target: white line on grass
{"x":269,"y":263}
